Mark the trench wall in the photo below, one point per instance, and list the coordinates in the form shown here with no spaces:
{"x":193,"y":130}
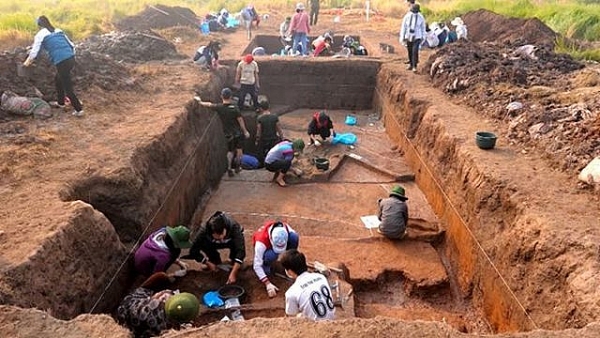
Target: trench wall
{"x":513,"y":263}
{"x":319,"y":83}
{"x":449,"y":180}
{"x":68,"y":273}
{"x":79,"y":268}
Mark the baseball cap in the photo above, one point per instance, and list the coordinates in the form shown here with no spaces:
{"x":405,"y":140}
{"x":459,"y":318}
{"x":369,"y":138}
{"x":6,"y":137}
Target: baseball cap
{"x":279,"y":238}
{"x":226,"y":93}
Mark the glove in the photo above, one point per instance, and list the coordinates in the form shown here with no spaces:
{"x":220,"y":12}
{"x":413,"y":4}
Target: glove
{"x":180,"y":273}
{"x":27,"y":62}
{"x":317,"y":143}
{"x":271,"y":290}
{"x":246,"y":134}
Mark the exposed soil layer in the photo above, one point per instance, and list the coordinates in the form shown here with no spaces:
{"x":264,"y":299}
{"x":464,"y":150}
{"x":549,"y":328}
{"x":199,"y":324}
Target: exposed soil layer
{"x":546,"y":100}
{"x":132,"y":46}
{"x":520,"y":239}
{"x":488,"y":26}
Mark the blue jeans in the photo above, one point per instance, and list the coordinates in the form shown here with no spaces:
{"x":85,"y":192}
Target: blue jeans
{"x":301,"y":38}
{"x":270,"y":256}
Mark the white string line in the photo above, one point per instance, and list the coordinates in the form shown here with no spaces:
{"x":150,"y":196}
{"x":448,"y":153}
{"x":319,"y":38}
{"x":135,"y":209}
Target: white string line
{"x":465,"y":226}
{"x":188,"y":161}
{"x":259,"y":214}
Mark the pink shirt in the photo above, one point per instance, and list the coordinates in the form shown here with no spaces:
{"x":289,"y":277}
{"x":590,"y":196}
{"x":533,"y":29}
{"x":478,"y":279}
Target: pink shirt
{"x":299,"y":23}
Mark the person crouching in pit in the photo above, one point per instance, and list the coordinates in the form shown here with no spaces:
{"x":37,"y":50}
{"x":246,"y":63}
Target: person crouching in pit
{"x":279,"y":159}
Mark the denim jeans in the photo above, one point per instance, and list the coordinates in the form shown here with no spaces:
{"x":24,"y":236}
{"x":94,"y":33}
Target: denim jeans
{"x":301,"y":38}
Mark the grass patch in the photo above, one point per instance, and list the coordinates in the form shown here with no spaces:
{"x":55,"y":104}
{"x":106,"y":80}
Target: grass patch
{"x":81,"y":18}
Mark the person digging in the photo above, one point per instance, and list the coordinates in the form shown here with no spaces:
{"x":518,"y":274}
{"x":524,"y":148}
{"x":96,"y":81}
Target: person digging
{"x":279,"y":159}
{"x":320,"y":124}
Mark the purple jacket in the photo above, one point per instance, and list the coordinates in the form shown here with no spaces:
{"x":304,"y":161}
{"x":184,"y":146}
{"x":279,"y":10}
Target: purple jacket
{"x":154,"y":255}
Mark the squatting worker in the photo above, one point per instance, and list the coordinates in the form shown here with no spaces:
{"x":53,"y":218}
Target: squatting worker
{"x":393,"y":214}
{"x":221,"y":231}
{"x":161,"y":249}
{"x":233,"y":128}
{"x":270,"y":240}
{"x":412,"y":33}
{"x":62,"y":55}
{"x":279,"y":159}
{"x":320,"y":124}
{"x":310,"y":296}
{"x":152,"y":308}
{"x":246,"y":77}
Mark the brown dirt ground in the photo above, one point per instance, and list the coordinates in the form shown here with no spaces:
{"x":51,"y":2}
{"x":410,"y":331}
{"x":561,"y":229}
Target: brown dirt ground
{"x":39,"y":158}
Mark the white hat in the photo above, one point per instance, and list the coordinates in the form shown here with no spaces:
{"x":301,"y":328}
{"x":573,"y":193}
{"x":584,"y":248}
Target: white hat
{"x":434,"y":26}
{"x":279,"y":238}
{"x":457,"y":21}
{"x":300,"y":6}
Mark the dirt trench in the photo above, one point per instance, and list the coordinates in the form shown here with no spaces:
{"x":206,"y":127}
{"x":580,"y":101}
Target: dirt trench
{"x":504,"y":254}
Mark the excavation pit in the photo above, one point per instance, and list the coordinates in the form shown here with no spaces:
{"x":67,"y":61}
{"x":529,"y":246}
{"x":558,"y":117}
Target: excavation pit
{"x":470,"y":259}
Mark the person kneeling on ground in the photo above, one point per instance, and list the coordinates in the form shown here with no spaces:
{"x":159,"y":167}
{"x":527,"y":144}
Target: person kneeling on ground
{"x":270,"y":240}
{"x":151,"y":308}
{"x":321,"y":125}
{"x":220,"y":232}
{"x":322,"y":45}
{"x":393,"y":214}
{"x":208,"y":56}
{"x":279,"y":159}
{"x":310,"y":296}
{"x":161,"y":249}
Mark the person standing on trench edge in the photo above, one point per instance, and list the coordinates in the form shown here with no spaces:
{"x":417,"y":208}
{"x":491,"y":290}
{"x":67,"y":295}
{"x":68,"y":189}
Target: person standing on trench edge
{"x":62,"y":54}
{"x":233,"y":127}
{"x":246,"y":78}
{"x":412,"y":32}
{"x":393,"y":214}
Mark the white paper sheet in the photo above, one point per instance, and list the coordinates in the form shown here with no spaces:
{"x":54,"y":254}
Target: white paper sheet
{"x":370,"y":221}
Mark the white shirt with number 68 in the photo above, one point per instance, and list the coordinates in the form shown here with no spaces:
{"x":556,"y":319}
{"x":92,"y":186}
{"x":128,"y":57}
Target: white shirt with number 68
{"x":311,"y":296}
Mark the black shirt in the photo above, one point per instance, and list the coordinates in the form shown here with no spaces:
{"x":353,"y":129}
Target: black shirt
{"x":268,"y":125}
{"x":229,"y":114}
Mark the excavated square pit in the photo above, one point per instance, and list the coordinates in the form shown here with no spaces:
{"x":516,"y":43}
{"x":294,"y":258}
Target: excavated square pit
{"x":410,"y":280}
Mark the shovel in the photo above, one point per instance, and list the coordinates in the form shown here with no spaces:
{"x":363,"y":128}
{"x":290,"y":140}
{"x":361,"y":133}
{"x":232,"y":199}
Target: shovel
{"x":23,"y":71}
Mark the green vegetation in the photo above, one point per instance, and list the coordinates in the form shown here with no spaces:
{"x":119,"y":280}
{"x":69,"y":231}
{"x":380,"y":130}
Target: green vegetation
{"x":79,"y":18}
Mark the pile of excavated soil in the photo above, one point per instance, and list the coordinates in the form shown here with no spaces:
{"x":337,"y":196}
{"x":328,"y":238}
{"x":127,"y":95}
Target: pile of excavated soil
{"x":490,"y":76}
{"x":484,"y":25}
{"x":159,"y":16}
{"x":132,"y":46}
{"x":92,"y":70}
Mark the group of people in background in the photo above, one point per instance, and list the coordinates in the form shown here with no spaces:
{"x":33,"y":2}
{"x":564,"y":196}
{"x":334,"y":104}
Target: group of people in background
{"x":415,"y":33}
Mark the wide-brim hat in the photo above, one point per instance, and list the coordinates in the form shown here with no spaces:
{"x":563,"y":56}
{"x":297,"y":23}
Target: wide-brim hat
{"x":180,"y":236}
{"x":399,"y":192}
{"x":457,"y":21}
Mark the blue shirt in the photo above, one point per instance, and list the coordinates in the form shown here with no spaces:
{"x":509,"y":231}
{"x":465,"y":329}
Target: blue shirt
{"x":56,"y":43}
